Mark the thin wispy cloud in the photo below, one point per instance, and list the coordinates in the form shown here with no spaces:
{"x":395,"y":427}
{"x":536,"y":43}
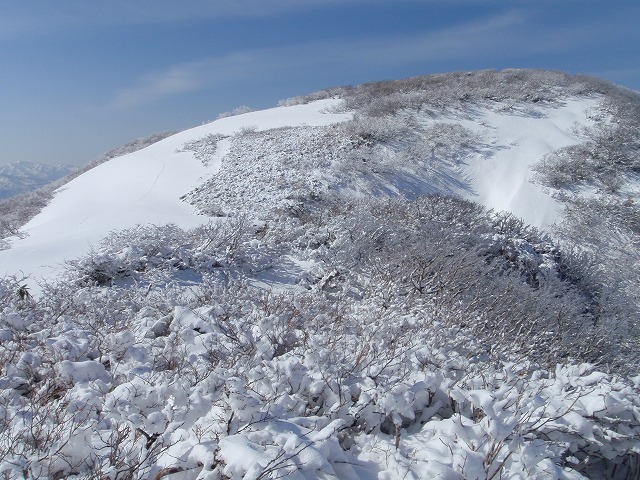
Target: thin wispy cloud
{"x":186,"y":77}
{"x":509,"y":34}
{"x":43,"y":17}
{"x":459,"y":41}
{"x":504,"y":34}
{"x":24,"y":24}
{"x":176,"y":80}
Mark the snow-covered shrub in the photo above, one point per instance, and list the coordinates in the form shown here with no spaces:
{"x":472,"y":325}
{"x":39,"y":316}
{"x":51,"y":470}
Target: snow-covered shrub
{"x":603,"y":161}
{"x":289,"y":169}
{"x":233,"y":381}
{"x":425,"y":160}
{"x":451,"y":91}
{"x":522,"y":248}
{"x":487,"y":274}
{"x":449,"y":141}
{"x":334,"y":92}
{"x":127,"y":252}
{"x":270,"y":170}
{"x":610,"y":153}
{"x":394,"y":357}
{"x":154,"y":253}
{"x":604,"y":234}
{"x":236,"y":111}
{"x":600,"y":230}
{"x":204,"y":148}
{"x":367,"y":130}
{"x":18,"y":210}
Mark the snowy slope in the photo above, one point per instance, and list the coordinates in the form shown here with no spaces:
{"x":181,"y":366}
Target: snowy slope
{"x":143,"y":187}
{"x":501,"y":178}
{"x":321,"y":330}
{"x":488,"y":159}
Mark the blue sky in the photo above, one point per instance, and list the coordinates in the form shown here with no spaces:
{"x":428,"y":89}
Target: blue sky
{"x":79,"y":77}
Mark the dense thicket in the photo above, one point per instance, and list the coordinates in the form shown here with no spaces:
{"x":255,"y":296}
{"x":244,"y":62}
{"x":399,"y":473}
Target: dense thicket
{"x":164,"y":352}
{"x":448,"y":91}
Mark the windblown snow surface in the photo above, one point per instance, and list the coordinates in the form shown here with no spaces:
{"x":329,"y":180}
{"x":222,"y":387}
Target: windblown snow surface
{"x":228,"y":381}
{"x":518,"y":139}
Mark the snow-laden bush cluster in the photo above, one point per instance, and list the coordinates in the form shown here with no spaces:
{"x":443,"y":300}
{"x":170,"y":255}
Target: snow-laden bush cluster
{"x":599,"y":182}
{"x":18,"y":210}
{"x":285,"y":169}
{"x":224,"y":380}
{"x":418,"y":339}
{"x":451,"y":91}
{"x":263,"y":169}
{"x":236,"y":111}
{"x":304,"y":172}
{"x":485,"y":273}
{"x":608,"y":158}
{"x":204,"y":148}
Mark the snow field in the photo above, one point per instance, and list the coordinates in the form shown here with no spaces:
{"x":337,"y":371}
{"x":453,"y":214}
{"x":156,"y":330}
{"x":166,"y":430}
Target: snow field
{"x":500,"y":176}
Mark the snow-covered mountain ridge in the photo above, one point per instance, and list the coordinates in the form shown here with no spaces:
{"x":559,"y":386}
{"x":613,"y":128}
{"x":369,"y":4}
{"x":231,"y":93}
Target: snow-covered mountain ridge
{"x":143,"y":187}
{"x":21,"y":177}
{"x":311,"y":291}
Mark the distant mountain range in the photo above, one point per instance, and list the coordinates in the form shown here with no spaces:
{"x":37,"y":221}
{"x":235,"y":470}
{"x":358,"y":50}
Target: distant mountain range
{"x":22,"y":177}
